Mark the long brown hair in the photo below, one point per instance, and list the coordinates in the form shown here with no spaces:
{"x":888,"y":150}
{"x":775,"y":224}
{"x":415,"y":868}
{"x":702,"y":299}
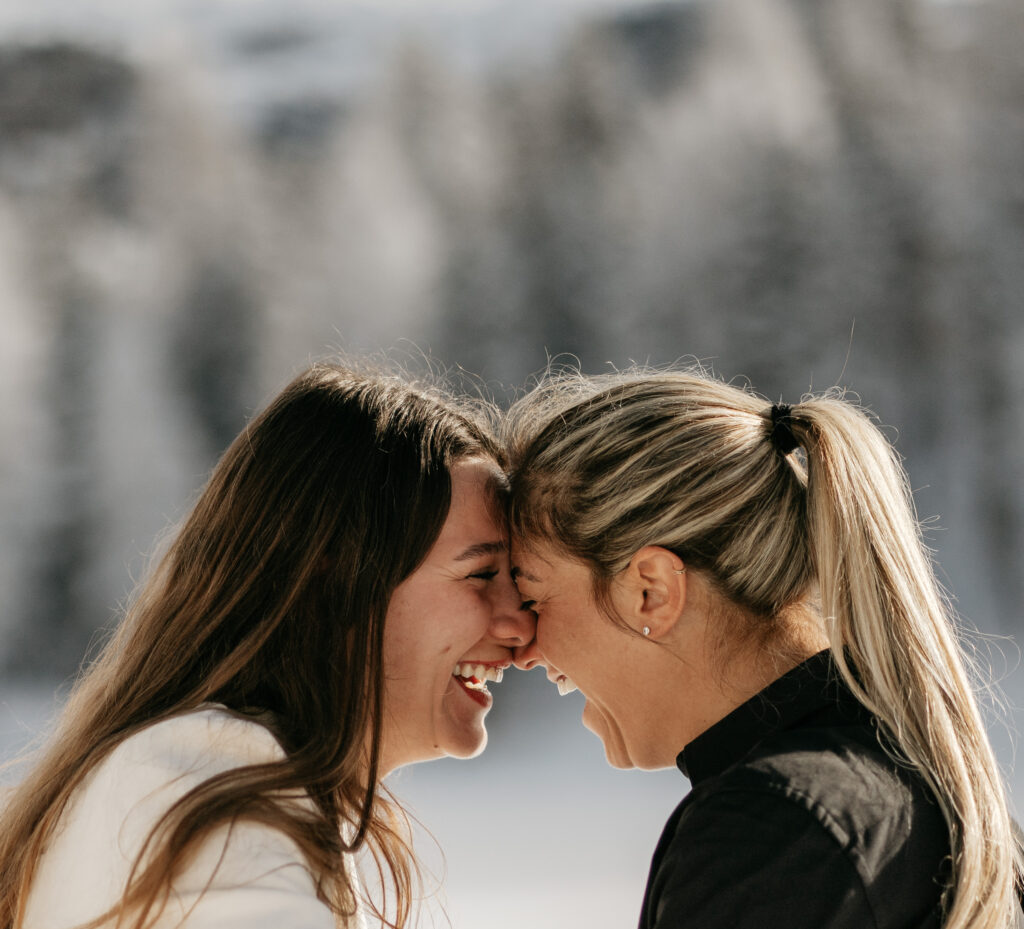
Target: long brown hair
{"x":604,"y":466}
{"x":271,"y":598}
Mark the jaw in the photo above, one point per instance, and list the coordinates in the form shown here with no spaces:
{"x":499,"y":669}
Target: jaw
{"x":452,"y":725}
{"x":459,"y":726}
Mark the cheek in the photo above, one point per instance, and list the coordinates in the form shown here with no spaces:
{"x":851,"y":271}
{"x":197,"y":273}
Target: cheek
{"x":458,"y":622}
{"x":559,"y":636}
{"x":479,"y":608}
{"x":582,"y":643}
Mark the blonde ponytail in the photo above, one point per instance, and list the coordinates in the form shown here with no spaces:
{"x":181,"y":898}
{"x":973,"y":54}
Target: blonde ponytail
{"x":604,"y":466}
{"x":885,"y":613}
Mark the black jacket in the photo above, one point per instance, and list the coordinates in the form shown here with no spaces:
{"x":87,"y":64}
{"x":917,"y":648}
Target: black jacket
{"x":798,"y":819}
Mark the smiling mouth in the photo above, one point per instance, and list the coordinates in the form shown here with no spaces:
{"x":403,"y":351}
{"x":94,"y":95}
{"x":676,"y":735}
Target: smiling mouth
{"x":475,"y":676}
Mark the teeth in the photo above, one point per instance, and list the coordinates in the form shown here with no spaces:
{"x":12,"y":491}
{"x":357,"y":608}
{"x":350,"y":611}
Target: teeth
{"x":565,"y":686}
{"x":480,"y":672}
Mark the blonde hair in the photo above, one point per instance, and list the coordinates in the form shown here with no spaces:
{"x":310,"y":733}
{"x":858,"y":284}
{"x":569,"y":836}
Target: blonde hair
{"x":271,"y":598}
{"x":604,"y":466}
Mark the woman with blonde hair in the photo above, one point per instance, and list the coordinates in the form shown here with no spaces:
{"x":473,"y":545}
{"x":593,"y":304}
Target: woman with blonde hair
{"x":741,"y":589}
{"x":331,"y":610}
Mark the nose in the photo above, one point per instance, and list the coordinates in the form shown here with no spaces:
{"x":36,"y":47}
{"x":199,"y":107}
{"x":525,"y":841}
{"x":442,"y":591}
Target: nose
{"x":512,"y":625}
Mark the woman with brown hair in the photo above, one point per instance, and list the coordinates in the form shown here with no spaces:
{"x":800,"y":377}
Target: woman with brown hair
{"x":741,"y":589}
{"x":331,"y":609}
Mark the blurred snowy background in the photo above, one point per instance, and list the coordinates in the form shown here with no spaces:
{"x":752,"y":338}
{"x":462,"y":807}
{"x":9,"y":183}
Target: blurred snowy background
{"x":196,"y":198}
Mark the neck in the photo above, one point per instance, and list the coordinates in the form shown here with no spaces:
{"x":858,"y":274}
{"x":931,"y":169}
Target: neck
{"x":724,"y":671}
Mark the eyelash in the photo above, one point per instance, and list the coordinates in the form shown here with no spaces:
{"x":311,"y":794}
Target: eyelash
{"x":529,"y":605}
{"x":485,"y":575}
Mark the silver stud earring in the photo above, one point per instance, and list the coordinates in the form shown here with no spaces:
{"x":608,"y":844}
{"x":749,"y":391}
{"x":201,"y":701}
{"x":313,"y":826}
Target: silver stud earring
{"x":647,"y":630}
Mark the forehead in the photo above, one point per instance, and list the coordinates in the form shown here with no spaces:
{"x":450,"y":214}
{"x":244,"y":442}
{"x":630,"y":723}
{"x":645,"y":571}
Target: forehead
{"x":472,"y":517}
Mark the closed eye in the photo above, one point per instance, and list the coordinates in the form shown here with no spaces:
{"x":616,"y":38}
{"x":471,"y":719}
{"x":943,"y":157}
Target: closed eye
{"x":485,"y":575}
{"x":528,"y":605}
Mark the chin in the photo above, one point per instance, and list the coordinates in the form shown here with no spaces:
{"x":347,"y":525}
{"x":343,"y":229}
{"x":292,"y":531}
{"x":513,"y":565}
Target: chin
{"x":615,"y":752}
{"x":466,"y":747}
{"x":617,"y":759}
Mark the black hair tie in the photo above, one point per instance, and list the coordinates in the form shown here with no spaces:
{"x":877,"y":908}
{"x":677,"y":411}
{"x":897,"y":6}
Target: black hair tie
{"x":781,"y":434}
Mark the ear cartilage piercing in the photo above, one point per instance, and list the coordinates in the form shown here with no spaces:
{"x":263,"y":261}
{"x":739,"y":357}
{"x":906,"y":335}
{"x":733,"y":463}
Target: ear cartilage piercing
{"x":681,"y":570}
{"x":647,"y":630}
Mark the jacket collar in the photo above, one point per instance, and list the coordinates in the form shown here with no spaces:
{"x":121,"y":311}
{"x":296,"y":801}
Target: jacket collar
{"x":812,"y":692}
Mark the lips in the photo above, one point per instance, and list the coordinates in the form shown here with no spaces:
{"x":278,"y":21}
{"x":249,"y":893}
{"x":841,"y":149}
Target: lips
{"x":479,"y":695}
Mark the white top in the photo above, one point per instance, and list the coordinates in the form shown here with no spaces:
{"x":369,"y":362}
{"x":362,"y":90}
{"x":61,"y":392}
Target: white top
{"x":253,"y":876}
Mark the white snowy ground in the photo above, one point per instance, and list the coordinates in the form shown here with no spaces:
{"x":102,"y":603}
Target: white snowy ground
{"x":538,"y":831}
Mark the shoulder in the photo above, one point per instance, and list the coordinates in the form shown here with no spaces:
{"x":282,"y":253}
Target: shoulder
{"x":822,"y":832}
{"x":745,"y":855}
{"x":849,"y":785}
{"x":102,"y":831}
{"x":159,"y":764}
{"x":152,"y":769}
{"x":879,"y":811}
{"x":171,"y":756}
{"x":211,"y":737}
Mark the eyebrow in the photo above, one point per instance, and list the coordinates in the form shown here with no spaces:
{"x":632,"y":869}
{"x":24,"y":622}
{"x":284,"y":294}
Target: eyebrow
{"x":482,"y":548}
{"x":519,"y":572}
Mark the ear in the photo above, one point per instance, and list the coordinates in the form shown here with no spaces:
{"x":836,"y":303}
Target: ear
{"x":651,"y":592}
